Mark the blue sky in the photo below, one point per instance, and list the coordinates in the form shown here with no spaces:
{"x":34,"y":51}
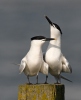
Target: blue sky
{"x":22,"y":19}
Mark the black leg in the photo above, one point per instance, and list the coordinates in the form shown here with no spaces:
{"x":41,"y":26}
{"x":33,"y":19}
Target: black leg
{"x":37,"y":79}
{"x":28,"y":79}
{"x":46,"y":79}
{"x":58,"y":79}
{"x":57,"y":82}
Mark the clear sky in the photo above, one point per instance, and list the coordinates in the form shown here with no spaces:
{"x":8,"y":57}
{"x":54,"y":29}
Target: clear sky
{"x":22,"y":19}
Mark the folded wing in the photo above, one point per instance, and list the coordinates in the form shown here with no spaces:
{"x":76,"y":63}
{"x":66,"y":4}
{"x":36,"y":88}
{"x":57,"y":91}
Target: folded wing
{"x":22,"y":66}
{"x":66,"y":66}
{"x":44,"y":68}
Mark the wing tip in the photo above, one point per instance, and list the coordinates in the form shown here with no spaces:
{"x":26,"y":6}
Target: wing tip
{"x":70,"y":68}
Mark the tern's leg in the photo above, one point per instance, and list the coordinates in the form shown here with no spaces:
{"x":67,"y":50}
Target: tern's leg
{"x":58,"y":79}
{"x":46,"y":79}
{"x":28,"y":79}
{"x":37,"y":78}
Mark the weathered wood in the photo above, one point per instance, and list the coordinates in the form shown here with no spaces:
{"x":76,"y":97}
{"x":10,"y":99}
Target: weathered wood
{"x":41,"y":92}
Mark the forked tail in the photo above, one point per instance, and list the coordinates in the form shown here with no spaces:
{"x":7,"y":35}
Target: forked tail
{"x":65,"y":78}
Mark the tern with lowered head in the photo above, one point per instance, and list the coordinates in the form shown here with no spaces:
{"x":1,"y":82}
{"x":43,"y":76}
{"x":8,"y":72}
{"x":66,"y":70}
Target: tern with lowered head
{"x":33,"y":62}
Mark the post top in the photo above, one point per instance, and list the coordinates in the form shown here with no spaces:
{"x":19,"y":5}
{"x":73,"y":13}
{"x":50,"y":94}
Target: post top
{"x":43,"y":84}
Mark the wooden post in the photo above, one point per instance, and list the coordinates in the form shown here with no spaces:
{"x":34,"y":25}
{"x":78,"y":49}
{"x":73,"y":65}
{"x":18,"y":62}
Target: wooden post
{"x":41,"y":92}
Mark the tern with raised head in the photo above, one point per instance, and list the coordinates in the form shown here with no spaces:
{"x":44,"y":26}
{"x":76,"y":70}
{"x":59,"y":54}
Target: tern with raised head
{"x":53,"y":56}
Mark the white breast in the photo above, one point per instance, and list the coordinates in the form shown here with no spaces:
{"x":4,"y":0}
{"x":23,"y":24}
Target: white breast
{"x":52,"y":57}
{"x":34,"y":64}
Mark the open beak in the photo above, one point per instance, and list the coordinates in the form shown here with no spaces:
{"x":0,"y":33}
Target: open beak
{"x":49,"y":20}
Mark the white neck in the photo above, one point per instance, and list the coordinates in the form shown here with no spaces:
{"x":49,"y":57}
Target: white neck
{"x":35,"y":49}
{"x":56,"y":42}
{"x":55,"y":34}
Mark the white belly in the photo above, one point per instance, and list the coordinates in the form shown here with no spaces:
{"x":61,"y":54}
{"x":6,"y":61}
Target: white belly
{"x":33,"y":66}
{"x":52,"y":57}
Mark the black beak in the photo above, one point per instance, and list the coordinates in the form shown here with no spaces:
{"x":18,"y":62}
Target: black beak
{"x":48,"y":39}
{"x":49,"y":20}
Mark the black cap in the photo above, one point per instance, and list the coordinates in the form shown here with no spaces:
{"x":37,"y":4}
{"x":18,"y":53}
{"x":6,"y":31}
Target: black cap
{"x":41,"y":38}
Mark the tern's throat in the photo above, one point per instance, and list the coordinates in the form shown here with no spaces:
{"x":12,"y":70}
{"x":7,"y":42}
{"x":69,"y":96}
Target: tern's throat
{"x":36,"y":49}
{"x":57,"y":41}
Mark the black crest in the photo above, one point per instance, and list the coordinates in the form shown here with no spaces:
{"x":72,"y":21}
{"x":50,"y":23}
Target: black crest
{"x":57,"y":27}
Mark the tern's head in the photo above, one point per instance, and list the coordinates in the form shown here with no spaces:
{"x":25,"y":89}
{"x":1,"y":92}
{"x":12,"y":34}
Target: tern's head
{"x":39,"y":40}
{"x":54,"y":28}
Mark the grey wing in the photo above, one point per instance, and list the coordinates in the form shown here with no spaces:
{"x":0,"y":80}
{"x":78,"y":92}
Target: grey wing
{"x":66,"y":66}
{"x":22,"y":66}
